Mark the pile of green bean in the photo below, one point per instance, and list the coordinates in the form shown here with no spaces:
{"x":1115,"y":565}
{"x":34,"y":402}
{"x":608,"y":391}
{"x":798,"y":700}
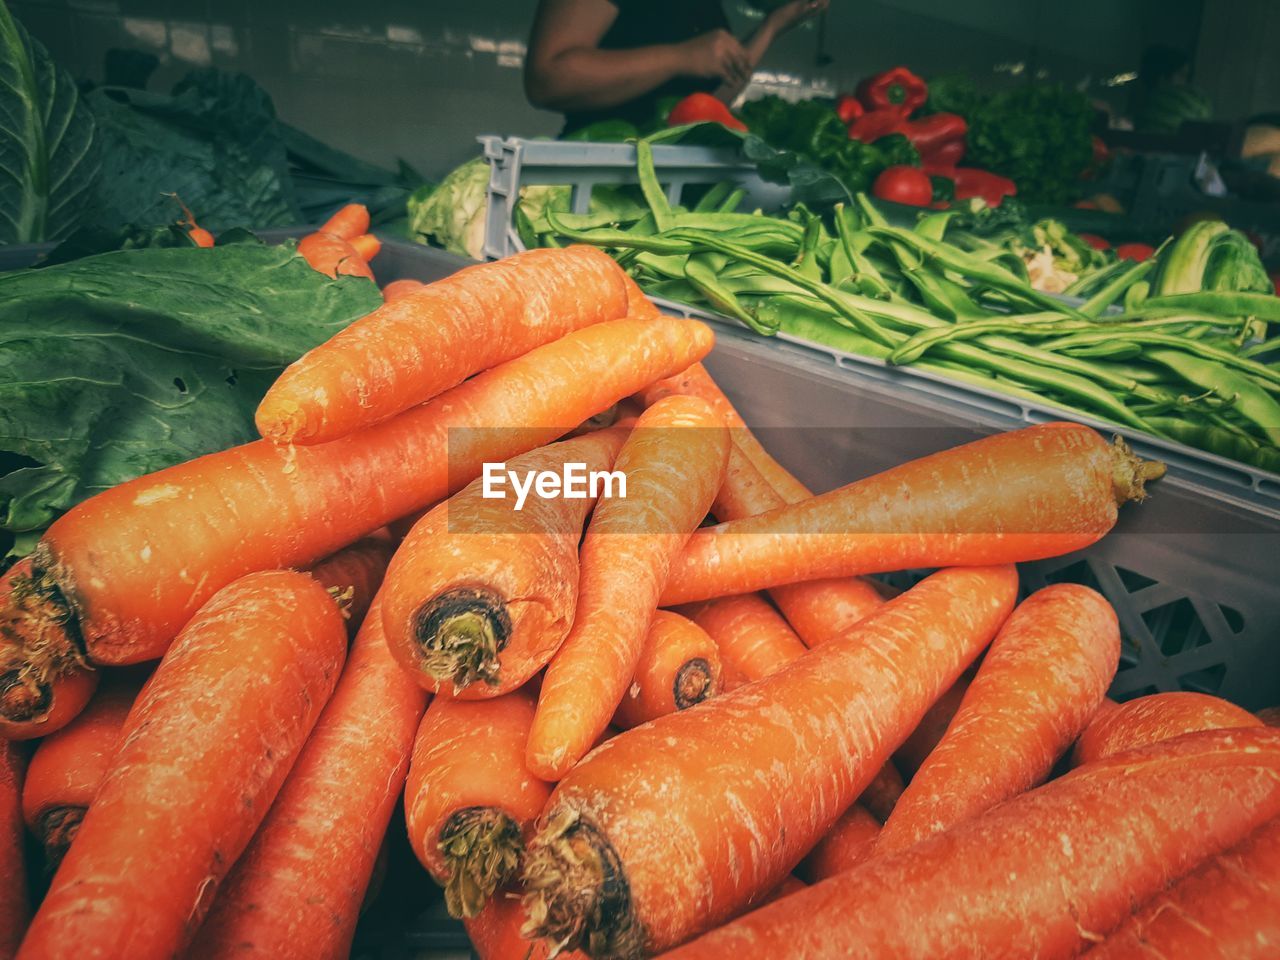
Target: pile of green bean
{"x":1183,"y":366}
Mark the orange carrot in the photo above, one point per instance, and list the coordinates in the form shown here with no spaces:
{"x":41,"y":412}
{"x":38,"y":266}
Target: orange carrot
{"x":408,"y":351}
{"x":68,"y":767}
{"x":495,"y":933}
{"x":1059,"y":488}
{"x":202,"y":754}
{"x":674,"y":462}
{"x":1040,"y":876}
{"x":367,"y":246}
{"x":1046,"y":672}
{"x":354,"y":574}
{"x":883,"y":792}
{"x":400,"y":289}
{"x":347,"y":223}
{"x":324,"y":833}
{"x":480,"y":595}
{"x":916,"y":748}
{"x":673,"y":827}
{"x":1270,"y":716}
{"x":845,"y":846}
{"x":200,"y":237}
{"x":1154,"y":718}
{"x":751,"y":636}
{"x":679,"y":666}
{"x":638,"y":305}
{"x":36,"y":699}
{"x":131,"y":565}
{"x":1227,"y":909}
{"x":470,"y":803}
{"x":332,"y":256}
{"x":15,"y":906}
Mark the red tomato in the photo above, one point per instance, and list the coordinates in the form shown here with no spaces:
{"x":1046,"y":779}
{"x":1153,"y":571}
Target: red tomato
{"x":1095,"y":241}
{"x":1135,"y":251}
{"x":902,"y":184}
{"x":1275,"y":282}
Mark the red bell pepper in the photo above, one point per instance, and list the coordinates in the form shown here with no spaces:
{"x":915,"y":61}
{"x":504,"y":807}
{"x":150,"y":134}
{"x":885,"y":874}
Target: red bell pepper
{"x":848,"y":108}
{"x":898,"y":87}
{"x":870,"y":127}
{"x":1135,"y":251}
{"x":991,"y":187}
{"x":939,"y":136}
{"x":702,"y":108}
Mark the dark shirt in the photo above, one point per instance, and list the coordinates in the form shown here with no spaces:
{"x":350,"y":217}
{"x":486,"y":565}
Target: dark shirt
{"x":644,"y":23}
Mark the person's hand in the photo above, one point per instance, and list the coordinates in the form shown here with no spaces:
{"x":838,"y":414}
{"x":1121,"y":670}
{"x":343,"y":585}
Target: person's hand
{"x":718,"y":54}
{"x":783,"y":18}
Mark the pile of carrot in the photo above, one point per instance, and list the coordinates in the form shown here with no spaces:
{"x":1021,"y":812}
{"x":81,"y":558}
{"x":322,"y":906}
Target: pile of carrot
{"x":663,"y":715}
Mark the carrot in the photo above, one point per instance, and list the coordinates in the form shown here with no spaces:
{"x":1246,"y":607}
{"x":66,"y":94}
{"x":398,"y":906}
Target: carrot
{"x":68,"y":767}
{"x":348,"y":222}
{"x":408,"y":351}
{"x":202,"y":754}
{"x":1059,"y":487}
{"x":679,"y":666}
{"x":298,"y":889}
{"x":1270,"y":716}
{"x":1227,"y":909}
{"x":400,"y":289}
{"x":883,"y":792}
{"x":332,"y":256}
{"x":495,"y":933}
{"x":751,"y":636}
{"x":674,"y":461}
{"x":354,"y":574}
{"x":470,"y":802}
{"x":916,"y":748}
{"x":673,"y":827}
{"x":1046,"y":672}
{"x":198,"y":234}
{"x":132,"y":564}
{"x":845,"y":846}
{"x":200,"y":237}
{"x":1154,"y":718}
{"x":1042,"y":875}
{"x":15,"y":906}
{"x":366,"y":246}
{"x":36,"y":699}
{"x":638,"y":305}
{"x":480,"y":596}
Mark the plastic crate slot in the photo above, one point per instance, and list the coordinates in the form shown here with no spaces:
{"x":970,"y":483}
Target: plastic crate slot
{"x":1176,"y":627}
{"x":1081,"y":571}
{"x":1134,"y":581}
{"x":1233,"y":617}
{"x":1209,"y":680}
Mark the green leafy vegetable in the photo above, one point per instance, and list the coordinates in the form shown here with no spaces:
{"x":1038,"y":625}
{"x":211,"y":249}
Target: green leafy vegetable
{"x":453,"y":213}
{"x":128,"y":362}
{"x":48,"y":151}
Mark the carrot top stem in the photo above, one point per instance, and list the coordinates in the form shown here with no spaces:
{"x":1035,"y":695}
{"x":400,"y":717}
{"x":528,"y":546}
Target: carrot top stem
{"x":1130,"y":472}
{"x":692,"y":683}
{"x":461,"y":632}
{"x":482,"y":846}
{"x":576,"y":892}
{"x":38,"y":644}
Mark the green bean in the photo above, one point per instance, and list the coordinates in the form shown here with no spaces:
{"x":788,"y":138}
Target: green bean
{"x":1214,"y":439}
{"x":1111,"y":350}
{"x":818,"y":324}
{"x":1251,"y":401}
{"x":1258,"y":349}
{"x":731,"y":202}
{"x":671,"y":266}
{"x":731,"y":221}
{"x":1201,"y":350}
{"x":976,"y":269}
{"x":871,"y":215}
{"x":806,"y":261}
{"x":1090,"y":283}
{"x":606,"y":237}
{"x":933,"y":226}
{"x":945,"y":296}
{"x":1136,"y":295}
{"x":1224,"y":303}
{"x":710,"y":201}
{"x":700,"y":270}
{"x":650,"y":187}
{"x":680,"y":290}
{"x":1106,"y":295}
{"x":848,"y":237}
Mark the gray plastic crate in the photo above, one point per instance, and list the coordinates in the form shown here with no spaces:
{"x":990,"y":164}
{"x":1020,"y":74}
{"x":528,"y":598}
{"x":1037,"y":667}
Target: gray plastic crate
{"x":516,"y":163}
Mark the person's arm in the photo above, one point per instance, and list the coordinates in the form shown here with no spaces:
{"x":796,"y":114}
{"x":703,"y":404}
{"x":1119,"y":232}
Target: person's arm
{"x":566,"y":70}
{"x":779,"y":21}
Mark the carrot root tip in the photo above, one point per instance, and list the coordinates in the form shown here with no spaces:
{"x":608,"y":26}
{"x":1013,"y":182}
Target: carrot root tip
{"x":692,"y":684}
{"x":37,"y":646}
{"x":482,"y":846}
{"x":56,"y":827}
{"x":1130,"y":473}
{"x":460,"y":633}
{"x":577,"y":895}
